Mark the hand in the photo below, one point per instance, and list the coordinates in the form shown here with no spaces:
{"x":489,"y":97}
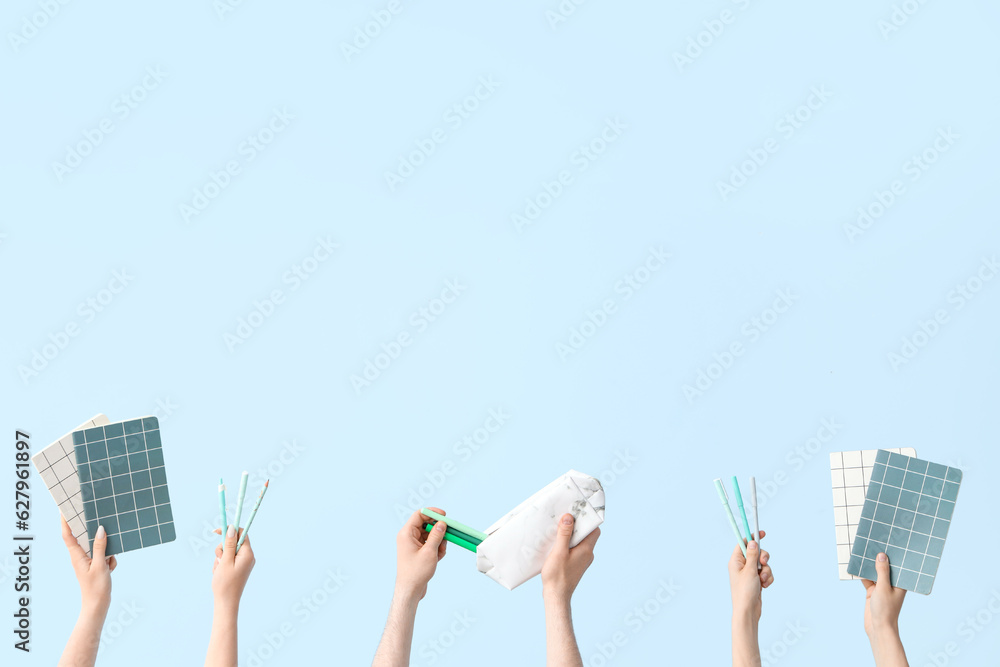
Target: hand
{"x":564,"y":567}
{"x":94,"y":574}
{"x":747,"y":582}
{"x":231,"y":570}
{"x":883,"y":602}
{"x":417,"y":554}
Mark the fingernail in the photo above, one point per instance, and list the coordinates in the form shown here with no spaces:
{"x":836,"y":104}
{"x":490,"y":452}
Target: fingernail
{"x":440,"y":526}
{"x":882,"y":558}
{"x":752,"y":545}
{"x":231,"y":532}
{"x":567,"y":519}
{"x":101,"y":533}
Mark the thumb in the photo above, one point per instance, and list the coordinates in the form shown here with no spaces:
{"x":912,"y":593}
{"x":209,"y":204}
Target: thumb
{"x":100,"y":545}
{"x":564,"y":533}
{"x":435,"y":537}
{"x":884,"y":573}
{"x":753,"y":559}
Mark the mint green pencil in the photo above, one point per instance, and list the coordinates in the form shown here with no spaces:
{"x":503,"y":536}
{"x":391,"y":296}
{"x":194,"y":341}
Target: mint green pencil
{"x":451,"y":523}
{"x":252,"y":515}
{"x":222,"y":506}
{"x":739,"y":502}
{"x":454,"y":539}
{"x":239,"y":499}
{"x":729,"y":512}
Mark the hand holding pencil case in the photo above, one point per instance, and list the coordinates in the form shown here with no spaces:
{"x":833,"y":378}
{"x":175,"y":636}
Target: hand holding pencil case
{"x":517,"y":545}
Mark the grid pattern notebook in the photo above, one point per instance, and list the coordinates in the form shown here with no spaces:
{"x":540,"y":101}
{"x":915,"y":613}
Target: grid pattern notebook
{"x":907,"y":513}
{"x":124,"y":485}
{"x":56,"y":465}
{"x":851,"y":472}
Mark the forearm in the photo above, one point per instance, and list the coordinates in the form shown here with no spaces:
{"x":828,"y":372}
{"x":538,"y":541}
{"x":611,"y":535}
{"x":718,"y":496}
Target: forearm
{"x":746,"y":647}
{"x":561,"y":649}
{"x":887,"y":648}
{"x":394,"y":649}
{"x":223,"y":646}
{"x":81,"y":649}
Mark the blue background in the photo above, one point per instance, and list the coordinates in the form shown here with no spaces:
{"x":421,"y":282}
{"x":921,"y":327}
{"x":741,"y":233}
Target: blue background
{"x":159,"y":345}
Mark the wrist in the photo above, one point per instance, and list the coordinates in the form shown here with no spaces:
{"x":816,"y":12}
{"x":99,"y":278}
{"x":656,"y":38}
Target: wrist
{"x":226,"y":606}
{"x":96,"y":607}
{"x":556,"y":598}
{"x":406,"y":597}
{"x":883,"y":630}
{"x":745,"y":621}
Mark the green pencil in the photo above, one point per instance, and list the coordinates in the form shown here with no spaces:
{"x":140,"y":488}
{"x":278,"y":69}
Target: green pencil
{"x":453,"y":538}
{"x":452,"y":524}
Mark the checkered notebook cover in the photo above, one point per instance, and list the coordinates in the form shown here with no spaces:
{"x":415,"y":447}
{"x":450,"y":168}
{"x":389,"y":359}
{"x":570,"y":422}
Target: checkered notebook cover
{"x":907,"y":514}
{"x":851,"y":472}
{"x":123,"y":483}
{"x":56,"y":465}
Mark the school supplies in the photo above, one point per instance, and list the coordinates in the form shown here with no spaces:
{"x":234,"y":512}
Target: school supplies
{"x":906,"y":515}
{"x":851,"y":472}
{"x":222,"y":505}
{"x":253,"y":514}
{"x":724,"y":498}
{"x":123,"y":484}
{"x":239,"y":499}
{"x":753,"y":504}
{"x":517,"y":545}
{"x":739,"y":502}
{"x":56,"y":465}
{"x":456,"y":532}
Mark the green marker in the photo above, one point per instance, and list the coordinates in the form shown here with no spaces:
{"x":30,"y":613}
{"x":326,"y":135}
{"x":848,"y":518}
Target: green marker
{"x":453,"y":538}
{"x":729,"y":512}
{"x":455,"y":525}
{"x":739,"y":502}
